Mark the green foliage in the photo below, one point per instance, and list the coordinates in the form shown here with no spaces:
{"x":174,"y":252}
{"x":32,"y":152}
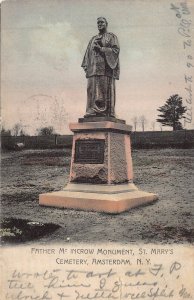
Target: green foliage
{"x":172,"y":112}
{"x":46,"y":131}
{"x":10,"y":232}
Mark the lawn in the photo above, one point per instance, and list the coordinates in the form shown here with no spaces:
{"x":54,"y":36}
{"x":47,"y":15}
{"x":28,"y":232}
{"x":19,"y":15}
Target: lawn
{"x":167,"y":172}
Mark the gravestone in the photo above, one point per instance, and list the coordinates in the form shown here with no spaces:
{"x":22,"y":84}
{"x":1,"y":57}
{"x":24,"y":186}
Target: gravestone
{"x":101,"y":173}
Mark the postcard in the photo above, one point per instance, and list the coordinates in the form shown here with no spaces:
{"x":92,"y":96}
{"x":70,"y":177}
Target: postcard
{"x":97,"y":154}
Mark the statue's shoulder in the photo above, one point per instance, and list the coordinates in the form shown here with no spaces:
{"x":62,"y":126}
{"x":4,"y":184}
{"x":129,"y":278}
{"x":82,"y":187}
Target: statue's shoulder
{"x":95,"y":36}
{"x":112,"y":37}
{"x":112,"y":34}
{"x":91,"y":40}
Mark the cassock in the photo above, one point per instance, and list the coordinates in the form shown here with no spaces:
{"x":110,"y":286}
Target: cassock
{"x":102,"y":68}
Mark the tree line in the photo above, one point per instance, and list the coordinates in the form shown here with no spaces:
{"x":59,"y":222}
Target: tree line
{"x":170,"y":114}
{"x":18,"y":131}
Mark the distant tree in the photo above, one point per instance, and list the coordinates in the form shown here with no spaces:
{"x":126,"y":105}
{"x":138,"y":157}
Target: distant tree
{"x":5,"y":132}
{"x":143,"y":122}
{"x":22,"y":133}
{"x":160,"y":125}
{"x":153,"y":125}
{"x":172,"y":112}
{"x":16,"y":129}
{"x":46,"y":131}
{"x":135,"y":121}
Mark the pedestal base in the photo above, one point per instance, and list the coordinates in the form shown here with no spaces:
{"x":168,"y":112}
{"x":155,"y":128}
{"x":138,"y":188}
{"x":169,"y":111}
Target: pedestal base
{"x":101,"y":172}
{"x":102,"y":198}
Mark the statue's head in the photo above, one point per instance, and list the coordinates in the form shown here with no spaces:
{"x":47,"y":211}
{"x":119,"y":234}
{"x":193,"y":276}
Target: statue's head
{"x":102,"y":23}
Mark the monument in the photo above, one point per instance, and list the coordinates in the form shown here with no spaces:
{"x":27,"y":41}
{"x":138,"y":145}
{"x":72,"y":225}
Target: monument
{"x":101,"y":173}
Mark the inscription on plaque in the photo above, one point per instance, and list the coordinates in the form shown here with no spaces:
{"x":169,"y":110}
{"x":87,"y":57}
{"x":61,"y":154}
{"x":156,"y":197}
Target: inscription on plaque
{"x":89,"y":151}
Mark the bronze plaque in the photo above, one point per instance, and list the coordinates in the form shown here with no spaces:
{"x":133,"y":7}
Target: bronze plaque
{"x":89,"y":151}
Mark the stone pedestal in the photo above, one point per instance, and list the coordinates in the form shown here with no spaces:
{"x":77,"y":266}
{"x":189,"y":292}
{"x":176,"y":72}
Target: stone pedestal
{"x":101,"y":153}
{"x":101,"y":175}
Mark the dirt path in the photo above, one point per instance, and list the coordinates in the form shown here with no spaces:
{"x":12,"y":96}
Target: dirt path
{"x":167,"y":172}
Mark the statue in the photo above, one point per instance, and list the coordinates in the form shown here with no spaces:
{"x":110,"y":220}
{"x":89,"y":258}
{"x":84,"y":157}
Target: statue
{"x":101,"y":174}
{"x":101,"y":65}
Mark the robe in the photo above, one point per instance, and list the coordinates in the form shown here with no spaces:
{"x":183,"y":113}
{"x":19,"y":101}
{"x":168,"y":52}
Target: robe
{"x":102,"y":68}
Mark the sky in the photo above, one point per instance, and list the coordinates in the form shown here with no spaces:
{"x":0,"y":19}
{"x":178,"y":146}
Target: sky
{"x":43,"y":44}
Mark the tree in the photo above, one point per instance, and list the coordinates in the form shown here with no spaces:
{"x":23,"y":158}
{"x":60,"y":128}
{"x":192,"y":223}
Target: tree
{"x":135,"y":121}
{"x":5,"y":132}
{"x":142,"y":121}
{"x":153,"y":125}
{"x":22,"y":133}
{"x":160,"y":125}
{"x":16,"y":129}
{"x":46,"y":131}
{"x":172,"y":112}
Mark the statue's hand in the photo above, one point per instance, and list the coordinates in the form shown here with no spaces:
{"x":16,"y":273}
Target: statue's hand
{"x":98,"y":40}
{"x":96,"y":47}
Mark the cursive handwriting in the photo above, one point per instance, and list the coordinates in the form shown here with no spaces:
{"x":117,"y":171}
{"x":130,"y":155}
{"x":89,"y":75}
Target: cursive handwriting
{"x":183,"y":14}
{"x":155,"y":282}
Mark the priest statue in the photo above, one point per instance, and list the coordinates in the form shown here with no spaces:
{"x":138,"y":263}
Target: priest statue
{"x":101,"y":64}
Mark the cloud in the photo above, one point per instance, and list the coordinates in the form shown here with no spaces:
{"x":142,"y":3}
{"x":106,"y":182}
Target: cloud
{"x":40,"y":53}
{"x":56,"y":44}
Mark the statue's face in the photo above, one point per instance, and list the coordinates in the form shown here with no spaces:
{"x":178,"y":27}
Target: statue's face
{"x":101,"y":23}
